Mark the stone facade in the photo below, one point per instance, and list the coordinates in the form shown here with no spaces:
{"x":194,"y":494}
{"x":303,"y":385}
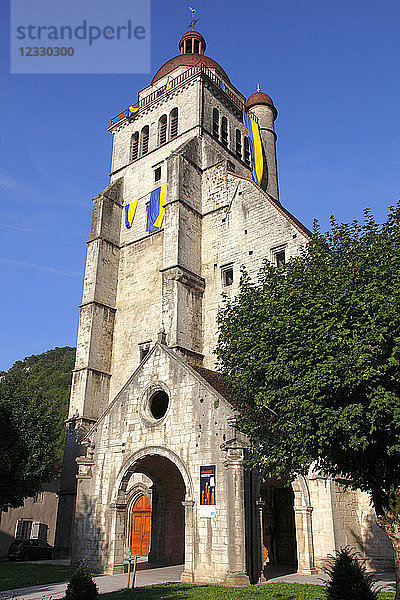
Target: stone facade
{"x":147,"y":409}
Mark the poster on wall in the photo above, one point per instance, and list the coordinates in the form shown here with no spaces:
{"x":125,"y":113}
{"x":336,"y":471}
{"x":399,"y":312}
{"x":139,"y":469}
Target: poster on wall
{"x":207,"y":491}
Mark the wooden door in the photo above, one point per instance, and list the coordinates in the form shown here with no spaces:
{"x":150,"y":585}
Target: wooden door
{"x":141,"y":527}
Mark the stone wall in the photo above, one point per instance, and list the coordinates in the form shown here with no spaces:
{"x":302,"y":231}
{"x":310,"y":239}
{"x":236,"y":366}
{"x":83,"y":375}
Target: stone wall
{"x":138,"y":306}
{"x":241,"y":226}
{"x":344,"y":517}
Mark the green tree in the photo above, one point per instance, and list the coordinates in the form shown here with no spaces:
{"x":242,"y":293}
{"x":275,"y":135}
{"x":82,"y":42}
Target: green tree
{"x":33,"y":407}
{"x":311,"y":353}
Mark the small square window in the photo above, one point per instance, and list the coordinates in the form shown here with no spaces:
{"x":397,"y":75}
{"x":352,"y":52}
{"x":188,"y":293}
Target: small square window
{"x":278,"y":256}
{"x":157,"y":174}
{"x":227,"y":276}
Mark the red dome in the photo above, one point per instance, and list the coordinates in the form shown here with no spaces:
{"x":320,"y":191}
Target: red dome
{"x":192,"y":46}
{"x":260,"y":98}
{"x":189,"y":60}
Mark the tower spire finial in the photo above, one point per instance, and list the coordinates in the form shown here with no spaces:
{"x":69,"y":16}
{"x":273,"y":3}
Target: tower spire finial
{"x":193,"y":21}
{"x":258,"y":87}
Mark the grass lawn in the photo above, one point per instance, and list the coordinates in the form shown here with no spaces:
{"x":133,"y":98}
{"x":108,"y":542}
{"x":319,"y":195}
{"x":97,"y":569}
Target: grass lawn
{"x":15,"y":575}
{"x":271,"y":591}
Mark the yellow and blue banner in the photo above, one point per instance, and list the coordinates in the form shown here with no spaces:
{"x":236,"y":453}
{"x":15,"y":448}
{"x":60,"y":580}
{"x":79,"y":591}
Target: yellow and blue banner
{"x":132,"y":109}
{"x":166,"y":87}
{"x":130,"y":211}
{"x":156,"y":208}
{"x":256,"y":153}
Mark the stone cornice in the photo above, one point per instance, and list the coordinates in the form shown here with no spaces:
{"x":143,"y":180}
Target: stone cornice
{"x":186,"y":276}
{"x":94,"y":371}
{"x":98,"y":303}
{"x":103,"y":239}
{"x":104,"y":195}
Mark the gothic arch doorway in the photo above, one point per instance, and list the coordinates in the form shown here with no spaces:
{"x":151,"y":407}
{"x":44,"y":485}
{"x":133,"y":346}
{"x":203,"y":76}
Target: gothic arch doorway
{"x":279,"y":527}
{"x":141,"y":526}
{"x":158,"y":526}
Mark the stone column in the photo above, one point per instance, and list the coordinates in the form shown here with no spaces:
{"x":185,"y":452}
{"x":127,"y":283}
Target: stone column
{"x":304,"y":531}
{"x":261,"y":505}
{"x":233,"y":464}
{"x":188,"y":572}
{"x":305,"y":547}
{"x":116,"y":556}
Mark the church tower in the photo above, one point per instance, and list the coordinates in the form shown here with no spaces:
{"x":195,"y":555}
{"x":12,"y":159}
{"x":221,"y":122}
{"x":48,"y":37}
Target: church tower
{"x":193,"y":196}
{"x":185,"y":132}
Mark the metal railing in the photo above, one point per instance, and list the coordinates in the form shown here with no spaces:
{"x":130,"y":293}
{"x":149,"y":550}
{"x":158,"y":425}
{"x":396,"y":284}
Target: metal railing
{"x":177,"y":81}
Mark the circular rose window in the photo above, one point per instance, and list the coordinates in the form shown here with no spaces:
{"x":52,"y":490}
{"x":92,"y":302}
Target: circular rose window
{"x":158,"y":404}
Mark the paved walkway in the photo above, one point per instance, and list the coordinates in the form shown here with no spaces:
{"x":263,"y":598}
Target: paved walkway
{"x":147,"y":576}
{"x":105,"y":583}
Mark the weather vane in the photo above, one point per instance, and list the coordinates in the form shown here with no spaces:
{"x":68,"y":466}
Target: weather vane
{"x":193,"y":21}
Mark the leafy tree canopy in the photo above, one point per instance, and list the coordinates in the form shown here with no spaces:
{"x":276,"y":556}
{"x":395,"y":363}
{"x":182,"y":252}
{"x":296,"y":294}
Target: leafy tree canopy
{"x":33,"y":407}
{"x":311,"y":352}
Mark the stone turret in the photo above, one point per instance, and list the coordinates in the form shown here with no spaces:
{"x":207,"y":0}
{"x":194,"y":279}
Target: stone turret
{"x":263,"y":107}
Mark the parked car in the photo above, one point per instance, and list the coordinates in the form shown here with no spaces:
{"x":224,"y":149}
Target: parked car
{"x":29,"y":550}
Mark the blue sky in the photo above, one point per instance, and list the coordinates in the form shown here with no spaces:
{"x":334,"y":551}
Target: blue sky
{"x":331,"y":68}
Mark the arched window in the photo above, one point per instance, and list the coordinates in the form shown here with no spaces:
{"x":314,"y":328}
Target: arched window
{"x":173,"y":123}
{"x":238,"y":148}
{"x":144,"y":141}
{"x":134,"y":146}
{"x":162,"y":130}
{"x":215,"y":125}
{"x":224,"y":131}
{"x":246,"y":151}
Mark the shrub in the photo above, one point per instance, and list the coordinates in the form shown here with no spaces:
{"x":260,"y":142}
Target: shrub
{"x":81,"y":585}
{"x":349,"y":579}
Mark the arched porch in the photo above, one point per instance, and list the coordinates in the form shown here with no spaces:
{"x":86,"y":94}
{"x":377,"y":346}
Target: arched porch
{"x":282,"y":526}
{"x":170,"y":492}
